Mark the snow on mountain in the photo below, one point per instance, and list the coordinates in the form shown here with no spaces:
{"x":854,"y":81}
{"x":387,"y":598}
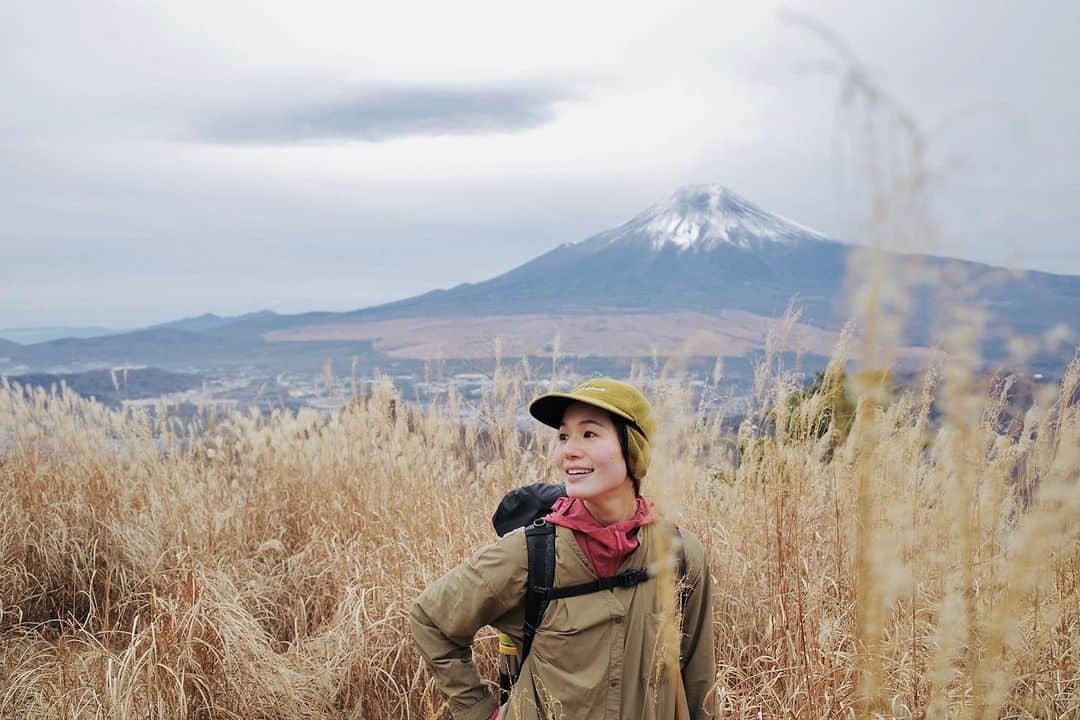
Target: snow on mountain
{"x":704,"y":217}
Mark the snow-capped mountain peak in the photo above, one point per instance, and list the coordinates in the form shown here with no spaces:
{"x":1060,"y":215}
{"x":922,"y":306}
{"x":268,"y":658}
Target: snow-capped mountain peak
{"x":706,"y":216}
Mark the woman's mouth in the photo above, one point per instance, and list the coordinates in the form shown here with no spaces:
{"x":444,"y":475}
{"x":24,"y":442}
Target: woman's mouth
{"x":576,"y":473}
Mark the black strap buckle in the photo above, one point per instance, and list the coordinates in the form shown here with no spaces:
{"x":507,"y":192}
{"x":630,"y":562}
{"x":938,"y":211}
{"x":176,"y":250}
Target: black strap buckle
{"x":630,"y":578}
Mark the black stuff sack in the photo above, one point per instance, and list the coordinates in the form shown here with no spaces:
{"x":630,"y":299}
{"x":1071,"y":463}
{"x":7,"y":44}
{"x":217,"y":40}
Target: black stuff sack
{"x":524,"y":505}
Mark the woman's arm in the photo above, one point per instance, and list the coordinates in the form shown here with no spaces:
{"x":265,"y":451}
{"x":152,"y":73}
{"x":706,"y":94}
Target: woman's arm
{"x":448,"y":613}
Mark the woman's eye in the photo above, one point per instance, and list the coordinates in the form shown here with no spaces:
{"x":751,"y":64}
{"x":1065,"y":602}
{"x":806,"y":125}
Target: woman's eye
{"x":562,"y":437}
{"x":589,"y":432}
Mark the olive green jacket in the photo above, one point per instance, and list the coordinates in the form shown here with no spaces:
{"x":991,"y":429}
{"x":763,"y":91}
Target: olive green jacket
{"x":594,"y":657}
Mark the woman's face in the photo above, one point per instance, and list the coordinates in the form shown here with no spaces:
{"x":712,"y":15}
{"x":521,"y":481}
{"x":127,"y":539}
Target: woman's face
{"x":588,"y":453}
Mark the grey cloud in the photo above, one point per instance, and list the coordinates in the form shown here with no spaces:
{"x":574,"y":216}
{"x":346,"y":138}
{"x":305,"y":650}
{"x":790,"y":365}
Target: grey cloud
{"x":386,"y":114}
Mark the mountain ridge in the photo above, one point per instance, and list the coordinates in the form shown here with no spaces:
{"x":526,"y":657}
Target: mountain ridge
{"x":703,"y":249}
{"x":211,"y":321}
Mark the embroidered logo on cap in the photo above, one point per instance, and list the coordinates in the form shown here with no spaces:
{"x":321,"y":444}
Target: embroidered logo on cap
{"x":597,"y":388}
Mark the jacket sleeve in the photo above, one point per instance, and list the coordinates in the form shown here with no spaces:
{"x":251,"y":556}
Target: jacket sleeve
{"x":448,"y":613}
{"x":698,"y":648}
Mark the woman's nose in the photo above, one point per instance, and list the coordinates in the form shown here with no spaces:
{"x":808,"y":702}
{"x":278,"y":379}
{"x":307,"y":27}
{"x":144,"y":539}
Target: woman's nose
{"x":571,"y":448}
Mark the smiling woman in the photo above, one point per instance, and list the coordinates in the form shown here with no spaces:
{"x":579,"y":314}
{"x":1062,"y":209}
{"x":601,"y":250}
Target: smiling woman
{"x":594,"y":646}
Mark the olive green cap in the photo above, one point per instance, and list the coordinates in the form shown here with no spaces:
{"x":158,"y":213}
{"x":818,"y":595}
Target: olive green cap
{"x":618,"y":398}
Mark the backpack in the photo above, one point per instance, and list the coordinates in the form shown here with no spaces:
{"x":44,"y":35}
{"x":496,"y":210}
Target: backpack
{"x":526,"y":507}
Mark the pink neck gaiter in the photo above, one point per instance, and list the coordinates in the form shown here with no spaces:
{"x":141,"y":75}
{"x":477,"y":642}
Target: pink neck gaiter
{"x":605,"y":546}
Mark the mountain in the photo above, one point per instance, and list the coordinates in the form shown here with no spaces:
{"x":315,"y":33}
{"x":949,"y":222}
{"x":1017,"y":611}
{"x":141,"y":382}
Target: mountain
{"x":708,"y":250}
{"x":704,"y":249}
{"x":704,"y":265}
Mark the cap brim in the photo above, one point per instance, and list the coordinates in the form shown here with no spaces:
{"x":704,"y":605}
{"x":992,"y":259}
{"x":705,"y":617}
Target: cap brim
{"x":550,"y":407}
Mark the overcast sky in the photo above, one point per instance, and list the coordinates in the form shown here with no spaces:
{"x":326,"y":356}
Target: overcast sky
{"x":161,"y":160}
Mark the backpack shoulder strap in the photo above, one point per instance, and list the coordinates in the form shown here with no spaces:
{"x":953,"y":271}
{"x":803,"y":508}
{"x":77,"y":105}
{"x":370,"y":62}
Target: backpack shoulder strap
{"x":540,"y":543}
{"x":684,"y":587}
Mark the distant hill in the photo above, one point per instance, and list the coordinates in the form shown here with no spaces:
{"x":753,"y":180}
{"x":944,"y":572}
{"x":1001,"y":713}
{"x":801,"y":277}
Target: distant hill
{"x":180,"y":350}
{"x":111,"y":387}
{"x":7,"y":346}
{"x":30,"y":335}
{"x":210,"y":321}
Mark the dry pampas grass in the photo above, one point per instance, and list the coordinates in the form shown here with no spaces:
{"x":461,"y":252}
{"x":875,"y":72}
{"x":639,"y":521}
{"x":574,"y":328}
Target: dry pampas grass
{"x":902,"y":565}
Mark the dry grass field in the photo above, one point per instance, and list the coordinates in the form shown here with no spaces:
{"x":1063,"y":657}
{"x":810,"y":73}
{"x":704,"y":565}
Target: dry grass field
{"x":891,"y":563}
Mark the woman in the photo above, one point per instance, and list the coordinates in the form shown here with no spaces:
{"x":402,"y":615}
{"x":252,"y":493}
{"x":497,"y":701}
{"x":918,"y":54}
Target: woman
{"x":594,"y":656}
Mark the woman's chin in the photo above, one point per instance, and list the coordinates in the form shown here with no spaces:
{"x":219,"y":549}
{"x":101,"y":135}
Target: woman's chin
{"x":578,"y":490}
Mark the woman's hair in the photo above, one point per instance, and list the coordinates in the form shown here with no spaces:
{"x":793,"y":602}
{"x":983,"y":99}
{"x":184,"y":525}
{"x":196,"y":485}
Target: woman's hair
{"x":621,"y":429}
